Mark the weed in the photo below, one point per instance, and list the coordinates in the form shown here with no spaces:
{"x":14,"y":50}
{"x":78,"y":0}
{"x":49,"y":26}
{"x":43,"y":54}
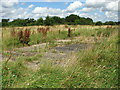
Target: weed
{"x":21,"y":36}
{"x":66,"y":26}
{"x":24,"y":38}
{"x":69,"y":32}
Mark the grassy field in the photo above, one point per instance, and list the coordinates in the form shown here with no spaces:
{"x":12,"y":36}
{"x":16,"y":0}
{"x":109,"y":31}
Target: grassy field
{"x":95,"y":67}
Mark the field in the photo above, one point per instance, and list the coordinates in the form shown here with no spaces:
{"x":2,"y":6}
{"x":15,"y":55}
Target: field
{"x":60,"y":56}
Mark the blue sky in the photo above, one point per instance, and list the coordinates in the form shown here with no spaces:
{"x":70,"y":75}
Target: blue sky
{"x":60,"y":5}
{"x":103,"y":10}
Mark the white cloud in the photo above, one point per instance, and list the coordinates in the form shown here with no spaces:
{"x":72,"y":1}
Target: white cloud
{"x":74,"y":5}
{"x":88,"y":9}
{"x":95,"y":3}
{"x":113,"y":16}
{"x":103,"y":5}
{"x":40,"y":10}
{"x":30,"y":6}
{"x":110,"y":14}
{"x":13,"y":13}
{"x":46,"y":11}
{"x":83,"y":15}
{"x":111,"y":6}
{"x":8,"y":3}
{"x":7,"y":7}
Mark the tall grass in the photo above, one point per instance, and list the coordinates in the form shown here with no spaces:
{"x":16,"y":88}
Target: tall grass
{"x":11,"y":39}
{"x":96,"y":67}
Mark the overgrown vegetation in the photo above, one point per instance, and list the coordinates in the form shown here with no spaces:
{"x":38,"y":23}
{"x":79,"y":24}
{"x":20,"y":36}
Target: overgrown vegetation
{"x":95,"y":67}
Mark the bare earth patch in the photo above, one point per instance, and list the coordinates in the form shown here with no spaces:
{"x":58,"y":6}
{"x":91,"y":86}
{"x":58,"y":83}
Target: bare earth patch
{"x":57,"y":54}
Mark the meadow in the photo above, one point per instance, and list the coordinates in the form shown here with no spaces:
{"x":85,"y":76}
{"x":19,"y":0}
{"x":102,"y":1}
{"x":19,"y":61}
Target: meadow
{"x":94,"y":67}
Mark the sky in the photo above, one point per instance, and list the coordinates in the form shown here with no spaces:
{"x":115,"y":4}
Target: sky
{"x":98,"y":10}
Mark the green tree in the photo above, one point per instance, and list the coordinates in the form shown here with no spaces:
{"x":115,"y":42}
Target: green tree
{"x":40,"y":21}
{"x":109,"y":23}
{"x":49,"y":21}
{"x":77,"y":22}
{"x":99,"y":23}
{"x":89,"y":21}
{"x":30,"y":22}
{"x":71,"y":19}
{"x":5,"y":22}
{"x":84,"y":21}
{"x":57,"y":20}
{"x":19,"y":22}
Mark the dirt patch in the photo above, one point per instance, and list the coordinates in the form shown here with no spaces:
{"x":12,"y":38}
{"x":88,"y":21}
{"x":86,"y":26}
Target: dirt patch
{"x":32,"y":48}
{"x":56,"y":54}
{"x":72,"y":47}
{"x":64,"y":52}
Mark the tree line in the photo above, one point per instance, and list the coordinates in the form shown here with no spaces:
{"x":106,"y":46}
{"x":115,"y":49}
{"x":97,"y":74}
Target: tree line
{"x":55,"y":20}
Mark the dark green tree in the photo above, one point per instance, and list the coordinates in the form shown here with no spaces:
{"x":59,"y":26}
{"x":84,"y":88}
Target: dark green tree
{"x":49,"y":21}
{"x":19,"y":22}
{"x":57,"y":20}
{"x":40,"y":21}
{"x":71,"y":19}
{"x":30,"y":22}
{"x":109,"y":23}
{"x":5,"y":22}
{"x":99,"y":23}
{"x":63,"y":21}
{"x":89,"y":21}
{"x":77,"y":22}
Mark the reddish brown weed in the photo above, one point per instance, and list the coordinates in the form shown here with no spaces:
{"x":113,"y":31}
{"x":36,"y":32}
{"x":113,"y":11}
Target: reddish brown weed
{"x":24,"y":38}
{"x":69,"y":32}
{"x":66,"y":26}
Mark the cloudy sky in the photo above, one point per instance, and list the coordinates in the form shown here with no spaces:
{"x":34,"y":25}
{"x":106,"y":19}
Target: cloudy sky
{"x":98,"y":10}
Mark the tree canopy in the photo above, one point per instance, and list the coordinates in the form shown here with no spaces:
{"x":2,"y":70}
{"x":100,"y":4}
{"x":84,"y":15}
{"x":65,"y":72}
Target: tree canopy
{"x":109,"y":23}
{"x":55,"y":20}
{"x":49,"y":21}
{"x":40,"y":21}
{"x":71,"y":19}
{"x":99,"y":23}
